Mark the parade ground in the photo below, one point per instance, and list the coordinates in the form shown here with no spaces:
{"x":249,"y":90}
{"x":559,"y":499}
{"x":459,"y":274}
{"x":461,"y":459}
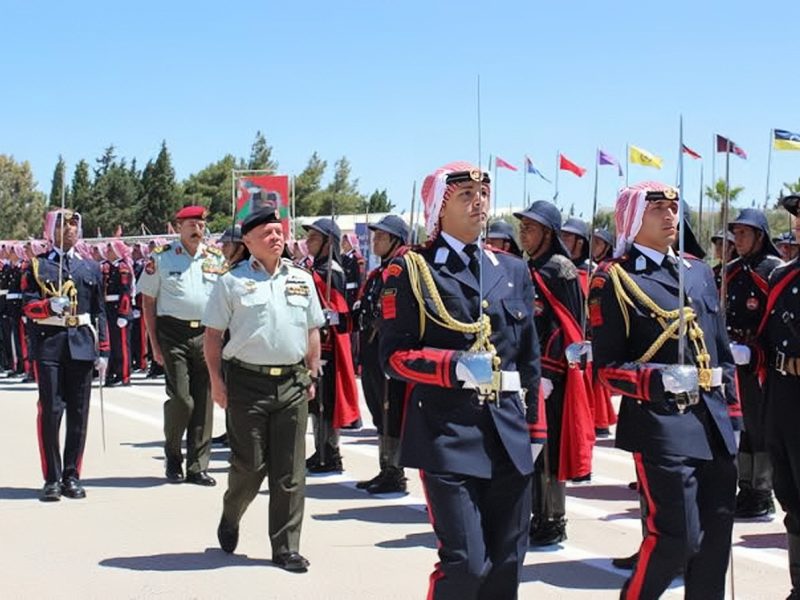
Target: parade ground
{"x":137,"y":536}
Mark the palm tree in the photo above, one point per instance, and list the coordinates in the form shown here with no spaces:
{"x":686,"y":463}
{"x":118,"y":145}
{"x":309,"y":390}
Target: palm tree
{"x":716,"y":194}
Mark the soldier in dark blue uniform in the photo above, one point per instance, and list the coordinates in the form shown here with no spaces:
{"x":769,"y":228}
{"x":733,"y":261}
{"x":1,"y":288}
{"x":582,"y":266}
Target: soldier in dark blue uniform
{"x":575,"y":235}
{"x":602,"y":244}
{"x":16,"y":330}
{"x":70,"y":337}
{"x":747,"y":286}
{"x":457,"y":325}
{"x":384,"y":396}
{"x":780,"y":332}
{"x":677,"y":417}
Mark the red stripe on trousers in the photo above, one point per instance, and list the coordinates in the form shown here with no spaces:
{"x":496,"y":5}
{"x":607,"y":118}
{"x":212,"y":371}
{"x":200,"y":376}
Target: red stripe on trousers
{"x":126,"y":364}
{"x":437,"y":574}
{"x":649,"y":543}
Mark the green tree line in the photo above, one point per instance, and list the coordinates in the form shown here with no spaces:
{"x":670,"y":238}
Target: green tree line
{"x":115,"y":194}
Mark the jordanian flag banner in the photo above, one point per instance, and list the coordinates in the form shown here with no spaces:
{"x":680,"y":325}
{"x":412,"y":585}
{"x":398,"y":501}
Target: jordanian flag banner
{"x":254,"y":192}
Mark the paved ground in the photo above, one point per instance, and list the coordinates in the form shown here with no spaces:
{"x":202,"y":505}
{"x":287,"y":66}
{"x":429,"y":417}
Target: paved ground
{"x":137,"y":537}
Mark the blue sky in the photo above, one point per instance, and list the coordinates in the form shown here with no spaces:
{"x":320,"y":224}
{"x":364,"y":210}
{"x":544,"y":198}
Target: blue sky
{"x":392,"y":85}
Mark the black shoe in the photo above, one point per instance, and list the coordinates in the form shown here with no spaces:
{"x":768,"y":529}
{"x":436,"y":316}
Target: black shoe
{"x":393,"y":482}
{"x":634,"y":485}
{"x":362,"y":485}
{"x":355,"y":425}
{"x":220,"y":440}
{"x":758,"y":508}
{"x":627,"y":563}
{"x":794,"y":595}
{"x":51,"y":492}
{"x":333,"y":464}
{"x":201,"y":478}
{"x":72,"y":488}
{"x":550,"y":533}
{"x":28,"y":379}
{"x":602,"y":432}
{"x":228,"y":536}
{"x":174,"y":472}
{"x":312,"y":460}
{"x":291,"y":561}
{"x":112,"y":382}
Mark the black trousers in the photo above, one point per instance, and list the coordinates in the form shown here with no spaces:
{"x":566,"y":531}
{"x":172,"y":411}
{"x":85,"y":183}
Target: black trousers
{"x":689,"y":519}
{"x":783,"y":422}
{"x":189,"y":406}
{"x":64,"y":385}
{"x":482,"y":528}
{"x":378,"y":391}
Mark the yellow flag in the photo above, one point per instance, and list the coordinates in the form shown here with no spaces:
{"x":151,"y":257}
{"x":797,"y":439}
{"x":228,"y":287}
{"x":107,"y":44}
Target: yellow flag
{"x":643,"y":157}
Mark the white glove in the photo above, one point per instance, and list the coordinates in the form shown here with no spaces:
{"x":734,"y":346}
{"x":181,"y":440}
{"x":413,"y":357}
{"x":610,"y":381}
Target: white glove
{"x":680,"y":379}
{"x":59,"y":304}
{"x":332,"y":317}
{"x":576,"y":350}
{"x":741,"y":353}
{"x":137,"y":313}
{"x":547,"y":387}
{"x":122,"y":322}
{"x":101,"y":364}
{"x":474,"y":369}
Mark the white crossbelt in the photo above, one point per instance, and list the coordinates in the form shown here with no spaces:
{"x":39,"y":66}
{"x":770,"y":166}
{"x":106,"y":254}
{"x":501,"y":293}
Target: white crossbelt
{"x":13,"y":296}
{"x":112,"y":298}
{"x":83,"y":319}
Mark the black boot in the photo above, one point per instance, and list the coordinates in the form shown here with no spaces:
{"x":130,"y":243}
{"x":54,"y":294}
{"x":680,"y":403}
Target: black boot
{"x":366,"y":483}
{"x":551,"y":532}
{"x":333,"y":463}
{"x":393,"y":482}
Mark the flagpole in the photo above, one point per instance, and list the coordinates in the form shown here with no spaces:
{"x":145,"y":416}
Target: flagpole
{"x":714,"y":164}
{"x":627,"y":163}
{"x":700,"y":209}
{"x":769,"y":166}
{"x":723,"y":288}
{"x":524,"y":182}
{"x":412,"y":220}
{"x":494,"y":177}
{"x":558,"y":164}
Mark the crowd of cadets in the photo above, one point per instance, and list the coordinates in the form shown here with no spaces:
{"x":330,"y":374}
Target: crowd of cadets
{"x":762,"y":318}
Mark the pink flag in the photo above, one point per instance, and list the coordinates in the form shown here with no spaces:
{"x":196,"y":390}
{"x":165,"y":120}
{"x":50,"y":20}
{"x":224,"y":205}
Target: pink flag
{"x":499,"y":162}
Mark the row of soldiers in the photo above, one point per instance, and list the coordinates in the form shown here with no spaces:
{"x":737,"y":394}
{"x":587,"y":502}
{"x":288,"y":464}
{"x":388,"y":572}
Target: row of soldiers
{"x":431,"y":322}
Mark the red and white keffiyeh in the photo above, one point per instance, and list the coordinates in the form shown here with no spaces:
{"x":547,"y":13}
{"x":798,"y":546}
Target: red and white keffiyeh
{"x":435,"y":192}
{"x":629,"y":211}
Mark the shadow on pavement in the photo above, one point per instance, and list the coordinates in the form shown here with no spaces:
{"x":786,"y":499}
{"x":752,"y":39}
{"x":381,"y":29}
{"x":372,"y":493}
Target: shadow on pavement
{"x":155,"y":444}
{"x":376,"y":514}
{"x":125,"y":482}
{"x":371,"y":441}
{"x":762,"y":540}
{"x":603,"y":492}
{"x":211,"y":558}
{"x":586,"y":574}
{"x":358,"y":433}
{"x":333,"y":491}
{"x":630,"y":513}
{"x":10,"y":493}
{"x":412,"y":540}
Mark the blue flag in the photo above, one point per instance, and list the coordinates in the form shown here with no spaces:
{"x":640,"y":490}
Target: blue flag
{"x":533,"y":170}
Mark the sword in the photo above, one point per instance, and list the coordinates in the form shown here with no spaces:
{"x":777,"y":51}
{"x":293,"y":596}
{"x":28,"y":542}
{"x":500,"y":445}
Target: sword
{"x":102,"y":410}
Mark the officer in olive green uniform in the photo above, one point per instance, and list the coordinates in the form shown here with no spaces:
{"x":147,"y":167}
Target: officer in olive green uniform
{"x":175,"y":286}
{"x":263,"y":377}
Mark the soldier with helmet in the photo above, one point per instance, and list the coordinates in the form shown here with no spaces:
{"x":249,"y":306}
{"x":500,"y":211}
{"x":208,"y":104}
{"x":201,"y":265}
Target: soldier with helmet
{"x":336,"y":402}
{"x":747,"y":288}
{"x":500,"y":235}
{"x":566,"y":391}
{"x":384,"y":396}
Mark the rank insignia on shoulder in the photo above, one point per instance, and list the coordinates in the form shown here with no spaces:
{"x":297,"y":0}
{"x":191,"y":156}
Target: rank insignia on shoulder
{"x":160,"y":249}
{"x":641,"y":263}
{"x":490,"y":255}
{"x":393,"y":270}
{"x":298,"y":289}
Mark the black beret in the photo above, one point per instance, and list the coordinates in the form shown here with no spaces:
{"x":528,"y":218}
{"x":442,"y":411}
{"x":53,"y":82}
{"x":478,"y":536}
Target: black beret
{"x":254,"y":219}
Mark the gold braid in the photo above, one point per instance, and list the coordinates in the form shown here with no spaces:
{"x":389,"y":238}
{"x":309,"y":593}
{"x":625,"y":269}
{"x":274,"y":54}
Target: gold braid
{"x":49,"y":289}
{"x":625,"y":286}
{"x":419,"y":274}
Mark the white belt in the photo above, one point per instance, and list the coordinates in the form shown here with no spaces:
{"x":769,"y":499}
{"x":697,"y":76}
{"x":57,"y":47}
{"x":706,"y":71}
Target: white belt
{"x":14,"y":296}
{"x":112,"y":298}
{"x":3,"y":292}
{"x":351,"y":286}
{"x":68,"y":321}
{"x":509,"y":381}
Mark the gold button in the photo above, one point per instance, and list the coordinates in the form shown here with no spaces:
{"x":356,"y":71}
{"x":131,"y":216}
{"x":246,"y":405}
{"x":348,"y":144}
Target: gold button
{"x":485,"y":304}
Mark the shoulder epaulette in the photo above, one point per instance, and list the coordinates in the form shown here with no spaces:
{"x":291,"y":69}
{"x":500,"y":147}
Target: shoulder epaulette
{"x":214,"y":250}
{"x":160,"y":249}
{"x":566,"y":268}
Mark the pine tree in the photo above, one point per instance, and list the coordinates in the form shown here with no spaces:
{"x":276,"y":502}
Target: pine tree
{"x":160,"y":200}
{"x":261,"y":155}
{"x":81,"y":189}
{"x":58,"y":182}
{"x":307,"y":186}
{"x":21,"y":206}
{"x":341,"y":196}
{"x":379,"y":202}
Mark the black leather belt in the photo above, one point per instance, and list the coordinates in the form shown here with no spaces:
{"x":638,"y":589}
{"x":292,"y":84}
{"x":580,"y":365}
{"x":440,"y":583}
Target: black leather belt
{"x":269,"y":370}
{"x":190,"y":324}
{"x":787,"y":365}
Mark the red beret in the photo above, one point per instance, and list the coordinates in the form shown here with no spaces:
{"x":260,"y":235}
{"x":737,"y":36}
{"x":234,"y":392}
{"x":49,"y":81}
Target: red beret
{"x":192,"y":212}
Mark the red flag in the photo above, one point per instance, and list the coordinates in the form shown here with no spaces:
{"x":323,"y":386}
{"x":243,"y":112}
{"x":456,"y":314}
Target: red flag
{"x":726,"y":145}
{"x":499,"y":162}
{"x":690,"y":152}
{"x":566,"y":164}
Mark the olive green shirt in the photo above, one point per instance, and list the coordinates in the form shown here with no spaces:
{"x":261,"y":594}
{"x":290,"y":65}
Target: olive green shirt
{"x":268,"y":316}
{"x":181,"y":283}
